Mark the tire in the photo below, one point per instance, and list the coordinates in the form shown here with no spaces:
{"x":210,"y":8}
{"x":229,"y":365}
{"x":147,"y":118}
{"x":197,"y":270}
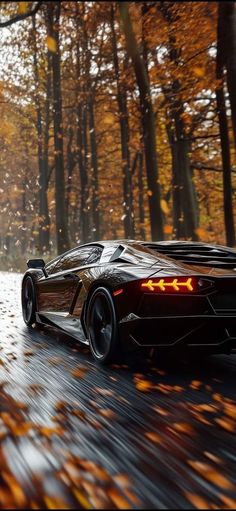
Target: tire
{"x":102,"y":327}
{"x":28,"y":301}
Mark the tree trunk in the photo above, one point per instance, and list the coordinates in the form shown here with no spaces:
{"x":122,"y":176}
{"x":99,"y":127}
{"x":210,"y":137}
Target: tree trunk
{"x":121,"y":98}
{"x":84,"y":219}
{"x":148,"y":123}
{"x":92,"y":135}
{"x":94,"y":165}
{"x":140,"y":196}
{"x":44,"y":222}
{"x":224,"y":135}
{"x":70,"y":169}
{"x":185,"y":207}
{"x":187,"y":192}
{"x":61,"y":219}
{"x":227,"y":21}
{"x":176,"y":185}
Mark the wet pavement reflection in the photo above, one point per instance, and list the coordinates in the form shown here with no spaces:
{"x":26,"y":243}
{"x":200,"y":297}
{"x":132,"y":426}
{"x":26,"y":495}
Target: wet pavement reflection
{"x":73,"y":434}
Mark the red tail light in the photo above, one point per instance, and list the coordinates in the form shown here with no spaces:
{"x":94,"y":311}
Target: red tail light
{"x":177,"y":285}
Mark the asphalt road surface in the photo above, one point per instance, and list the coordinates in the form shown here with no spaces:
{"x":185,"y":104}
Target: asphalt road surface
{"x":74,"y":435}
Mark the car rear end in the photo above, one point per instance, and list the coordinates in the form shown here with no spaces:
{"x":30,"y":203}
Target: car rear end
{"x":179,"y":311}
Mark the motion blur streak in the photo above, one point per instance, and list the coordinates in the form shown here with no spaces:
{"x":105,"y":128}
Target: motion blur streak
{"x":75,"y":435}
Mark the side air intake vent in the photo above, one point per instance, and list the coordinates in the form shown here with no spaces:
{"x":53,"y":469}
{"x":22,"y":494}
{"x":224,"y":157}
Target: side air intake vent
{"x":198,"y":254}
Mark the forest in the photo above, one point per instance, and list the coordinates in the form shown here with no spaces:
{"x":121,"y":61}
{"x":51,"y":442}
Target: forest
{"x":118,"y":120}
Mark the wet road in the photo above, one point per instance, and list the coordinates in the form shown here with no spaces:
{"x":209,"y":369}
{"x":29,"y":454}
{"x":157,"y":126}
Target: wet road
{"x":73,"y":434}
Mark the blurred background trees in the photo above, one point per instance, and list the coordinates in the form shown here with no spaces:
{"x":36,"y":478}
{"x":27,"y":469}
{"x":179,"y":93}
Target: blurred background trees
{"x":118,"y":119}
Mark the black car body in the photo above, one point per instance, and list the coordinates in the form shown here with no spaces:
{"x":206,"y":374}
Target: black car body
{"x":123,"y":295}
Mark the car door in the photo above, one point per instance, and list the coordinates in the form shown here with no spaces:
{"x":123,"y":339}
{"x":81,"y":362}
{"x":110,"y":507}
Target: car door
{"x":56,"y":292}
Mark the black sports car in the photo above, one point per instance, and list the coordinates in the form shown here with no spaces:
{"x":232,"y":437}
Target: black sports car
{"x":122,"y":295}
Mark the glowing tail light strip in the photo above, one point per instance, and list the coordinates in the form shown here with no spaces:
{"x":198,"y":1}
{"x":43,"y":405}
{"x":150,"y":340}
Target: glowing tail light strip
{"x":162,"y":284}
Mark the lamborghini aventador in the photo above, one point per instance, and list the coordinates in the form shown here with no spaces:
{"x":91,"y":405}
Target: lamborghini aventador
{"x":124,"y":295}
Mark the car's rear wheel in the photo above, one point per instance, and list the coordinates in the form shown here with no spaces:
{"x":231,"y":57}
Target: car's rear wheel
{"x":102,"y":327}
{"x":28,"y":301}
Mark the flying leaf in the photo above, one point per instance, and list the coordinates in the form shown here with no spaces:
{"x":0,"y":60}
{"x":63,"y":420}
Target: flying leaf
{"x":199,"y":71}
{"x":51,"y":44}
{"x":22,"y":7}
{"x":164,"y":206}
{"x":167,"y":229}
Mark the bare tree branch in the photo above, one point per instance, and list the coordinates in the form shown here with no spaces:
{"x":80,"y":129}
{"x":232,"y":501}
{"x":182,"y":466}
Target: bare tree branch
{"x":20,"y":17}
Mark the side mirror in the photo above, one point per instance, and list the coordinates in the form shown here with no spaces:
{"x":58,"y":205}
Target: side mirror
{"x":37,"y":264}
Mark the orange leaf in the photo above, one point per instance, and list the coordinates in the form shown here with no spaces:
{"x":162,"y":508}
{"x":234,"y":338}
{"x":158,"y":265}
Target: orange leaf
{"x":15,"y":488}
{"x":195,"y":384}
{"x":164,"y":206}
{"x":55,"y":503}
{"x":79,"y":372}
{"x":118,"y":499}
{"x":154,"y":437}
{"x":197,"y":501}
{"x":51,"y":44}
{"x":108,"y":413}
{"x":183,"y":427}
{"x":48,"y":432}
{"x":230,"y":410}
{"x":226,"y":424}
{"x":199,"y":71}
{"x":143,"y":385}
{"x":168,"y":229}
{"x":209,"y":473}
{"x":22,"y":7}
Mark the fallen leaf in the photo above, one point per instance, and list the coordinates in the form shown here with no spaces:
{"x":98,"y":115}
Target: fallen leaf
{"x":230,"y":410}
{"x":226,"y":424}
{"x":122,"y":480}
{"x":104,"y":392}
{"x":143,"y":385}
{"x":29,"y":353}
{"x":81,"y":499}
{"x":230,"y":503}
{"x":79,"y":372}
{"x":154,"y":437}
{"x":212,"y":457}
{"x":55,"y":503}
{"x":108,"y":413}
{"x":184,"y":427}
{"x":15,"y":488}
{"x":55,"y":361}
{"x":197,"y":501}
{"x":160,"y":410}
{"x":119,"y":501}
{"x":195,"y":384}
{"x":48,"y":432}
{"x":211,"y":474}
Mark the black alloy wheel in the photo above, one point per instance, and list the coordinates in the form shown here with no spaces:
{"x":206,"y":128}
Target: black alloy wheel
{"x":28,"y":301}
{"x":102,"y":328}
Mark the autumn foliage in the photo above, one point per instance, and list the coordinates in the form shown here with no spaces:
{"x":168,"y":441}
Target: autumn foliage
{"x":117,"y":120}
